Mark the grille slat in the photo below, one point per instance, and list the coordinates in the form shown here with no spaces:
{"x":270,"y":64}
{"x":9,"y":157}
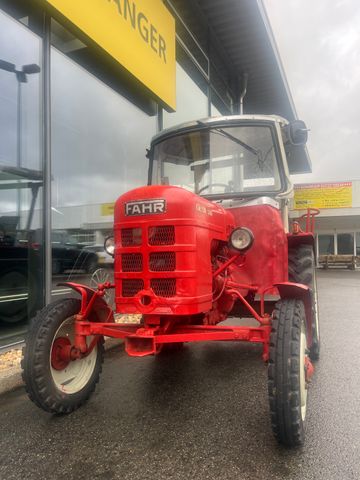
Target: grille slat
{"x":162,"y":261}
{"x":162,"y":235}
{"x":163,"y":287}
{"x":132,"y":286}
{"x":132,"y":262}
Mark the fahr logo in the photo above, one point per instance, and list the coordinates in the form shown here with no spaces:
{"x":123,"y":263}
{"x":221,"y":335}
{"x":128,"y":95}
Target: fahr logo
{"x":145,"y":207}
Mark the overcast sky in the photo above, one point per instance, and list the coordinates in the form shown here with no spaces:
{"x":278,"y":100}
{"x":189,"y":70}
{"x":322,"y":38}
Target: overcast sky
{"x":319,"y":44}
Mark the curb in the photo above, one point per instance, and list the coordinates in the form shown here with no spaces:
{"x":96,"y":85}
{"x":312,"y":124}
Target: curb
{"x":10,"y":379}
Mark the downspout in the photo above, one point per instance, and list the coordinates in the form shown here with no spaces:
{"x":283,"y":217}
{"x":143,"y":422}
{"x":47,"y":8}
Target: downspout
{"x":244,"y":81}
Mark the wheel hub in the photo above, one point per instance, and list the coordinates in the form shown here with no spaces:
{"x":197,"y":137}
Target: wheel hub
{"x":61,"y":353}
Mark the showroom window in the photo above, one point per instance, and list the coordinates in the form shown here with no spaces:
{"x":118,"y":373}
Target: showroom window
{"x":345,"y":244}
{"x":21,"y":178}
{"x":358,"y":243}
{"x":82,"y":135}
{"x":98,"y":143}
{"x":191,"y":102}
{"x":326,"y":244}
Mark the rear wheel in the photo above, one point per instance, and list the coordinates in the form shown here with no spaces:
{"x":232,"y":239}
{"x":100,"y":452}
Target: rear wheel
{"x":287,"y":372}
{"x":52,"y":383}
{"x":302,"y":269}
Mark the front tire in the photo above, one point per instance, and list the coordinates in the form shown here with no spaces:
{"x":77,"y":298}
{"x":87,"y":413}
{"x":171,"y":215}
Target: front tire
{"x":287,"y":372}
{"x":51,"y":385}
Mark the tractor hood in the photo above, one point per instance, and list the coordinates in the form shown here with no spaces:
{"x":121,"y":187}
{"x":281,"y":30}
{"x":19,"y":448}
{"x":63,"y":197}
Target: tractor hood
{"x":162,"y":203}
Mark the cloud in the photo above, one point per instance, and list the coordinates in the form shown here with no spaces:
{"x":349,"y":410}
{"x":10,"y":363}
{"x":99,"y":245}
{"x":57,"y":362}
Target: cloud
{"x":319,"y":44}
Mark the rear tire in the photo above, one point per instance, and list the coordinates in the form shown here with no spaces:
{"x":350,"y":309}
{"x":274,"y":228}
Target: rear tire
{"x":286,"y":372}
{"x":58,"y":390}
{"x":302,"y":269}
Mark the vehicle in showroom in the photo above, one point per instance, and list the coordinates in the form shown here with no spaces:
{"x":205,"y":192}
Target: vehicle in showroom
{"x":21,"y":250}
{"x":103,"y":258}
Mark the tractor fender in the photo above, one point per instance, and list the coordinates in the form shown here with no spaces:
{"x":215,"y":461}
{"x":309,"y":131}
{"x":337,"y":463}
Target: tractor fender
{"x":299,"y":292}
{"x":303,"y":238}
{"x":100,"y":310}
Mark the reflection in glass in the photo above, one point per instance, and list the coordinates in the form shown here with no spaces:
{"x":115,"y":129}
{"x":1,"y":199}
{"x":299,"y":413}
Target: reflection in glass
{"x":21,"y":181}
{"x":99,"y":141}
{"x":191,"y":102}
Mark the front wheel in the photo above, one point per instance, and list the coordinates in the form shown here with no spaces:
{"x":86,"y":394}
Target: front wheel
{"x":288,"y":372}
{"x":52,"y":383}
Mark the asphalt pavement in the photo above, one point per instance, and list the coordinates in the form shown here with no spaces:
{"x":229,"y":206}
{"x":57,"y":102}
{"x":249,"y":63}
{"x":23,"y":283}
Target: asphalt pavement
{"x":199,"y":413}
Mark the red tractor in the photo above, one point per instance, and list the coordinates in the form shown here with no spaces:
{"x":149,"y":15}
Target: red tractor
{"x":207,"y":240}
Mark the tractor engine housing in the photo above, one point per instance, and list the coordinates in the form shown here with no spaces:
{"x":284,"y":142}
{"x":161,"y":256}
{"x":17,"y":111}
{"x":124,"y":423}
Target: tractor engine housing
{"x":164,"y":236}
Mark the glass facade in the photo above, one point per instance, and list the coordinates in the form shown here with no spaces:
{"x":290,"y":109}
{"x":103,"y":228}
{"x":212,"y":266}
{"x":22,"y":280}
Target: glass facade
{"x":192,"y":103}
{"x":94,"y":160}
{"x":340,"y":243}
{"x":326,"y":244}
{"x":345,"y":243}
{"x":100,"y":129}
{"x":21,"y":180}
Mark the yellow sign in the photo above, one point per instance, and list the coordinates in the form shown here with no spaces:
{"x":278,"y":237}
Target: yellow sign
{"x":323,"y":195}
{"x":139,"y":34}
{"x":107,"y":209}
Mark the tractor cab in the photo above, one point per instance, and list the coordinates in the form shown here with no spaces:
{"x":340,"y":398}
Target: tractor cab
{"x":238,"y":158}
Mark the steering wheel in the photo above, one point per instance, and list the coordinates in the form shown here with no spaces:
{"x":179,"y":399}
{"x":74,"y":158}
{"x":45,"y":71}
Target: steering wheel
{"x":213,"y":185}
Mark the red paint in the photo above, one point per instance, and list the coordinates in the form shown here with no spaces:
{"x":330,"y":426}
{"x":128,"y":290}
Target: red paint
{"x":309,"y":369}
{"x":267,"y":260}
{"x":197,"y":223}
{"x":60,"y":353}
{"x":309,"y":218}
{"x":144,"y":341}
{"x":174,"y":265}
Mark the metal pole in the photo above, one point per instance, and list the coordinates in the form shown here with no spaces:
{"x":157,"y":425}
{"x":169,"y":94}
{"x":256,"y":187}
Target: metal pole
{"x":18,"y":149}
{"x":46,"y":163}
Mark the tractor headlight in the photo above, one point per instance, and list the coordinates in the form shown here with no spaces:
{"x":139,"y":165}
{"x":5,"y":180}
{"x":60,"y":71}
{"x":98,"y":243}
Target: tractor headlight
{"x":241,"y":239}
{"x":109,"y":246}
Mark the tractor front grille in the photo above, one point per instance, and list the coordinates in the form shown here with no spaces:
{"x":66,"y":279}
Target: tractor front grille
{"x":131,"y":262}
{"x":162,"y":261}
{"x":163,"y":287}
{"x":141,"y":264}
{"x":131,"y":286}
{"x":162,"y":235}
{"x":131,"y":237}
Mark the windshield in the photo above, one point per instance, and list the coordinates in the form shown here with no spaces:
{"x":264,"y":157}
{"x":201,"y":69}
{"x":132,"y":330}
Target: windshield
{"x":220,"y":160}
